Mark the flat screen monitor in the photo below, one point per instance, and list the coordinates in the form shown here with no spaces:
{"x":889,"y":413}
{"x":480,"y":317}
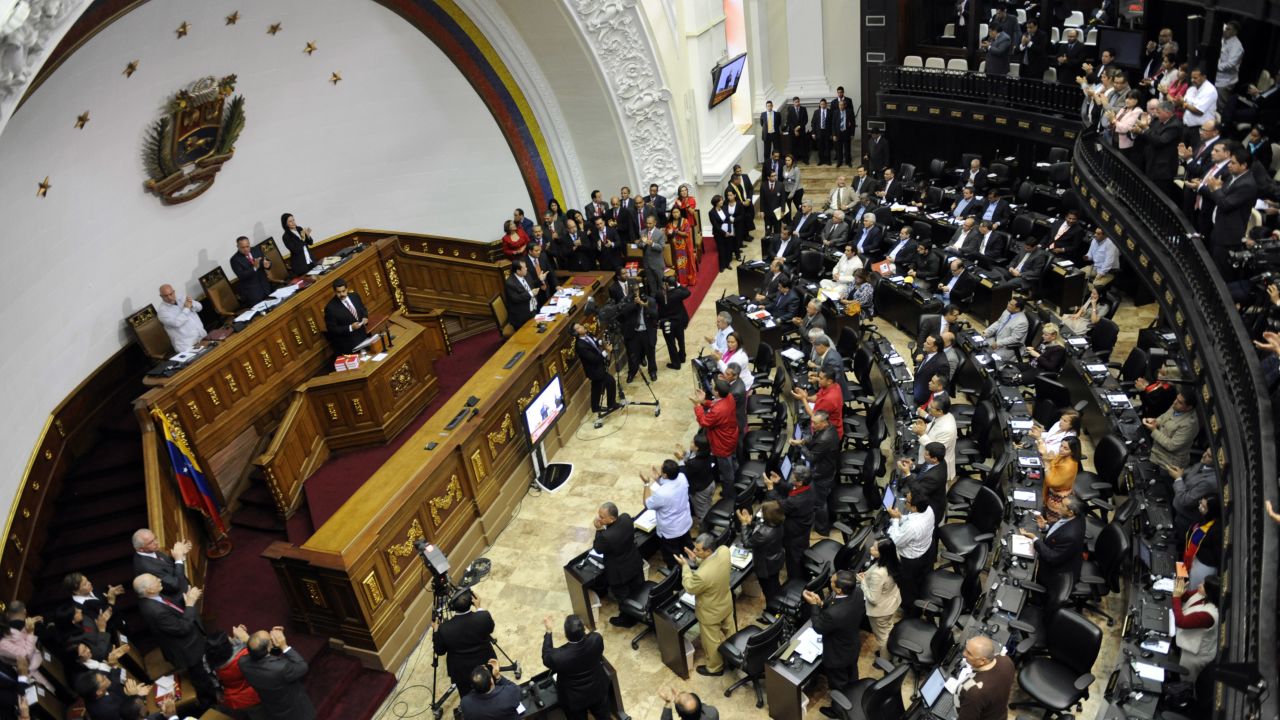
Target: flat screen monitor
{"x":1144,"y":554}
{"x":933,"y":687}
{"x":541,"y":414}
{"x":785,"y":470}
{"x":725,"y":78}
{"x":889,"y":497}
{"x":1126,"y":44}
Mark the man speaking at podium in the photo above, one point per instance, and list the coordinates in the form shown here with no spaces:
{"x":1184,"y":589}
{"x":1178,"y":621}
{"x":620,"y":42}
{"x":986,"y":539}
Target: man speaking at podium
{"x":345,"y":319}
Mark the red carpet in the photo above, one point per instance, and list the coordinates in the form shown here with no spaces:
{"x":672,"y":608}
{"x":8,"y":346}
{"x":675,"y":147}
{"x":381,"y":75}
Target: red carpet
{"x":707,"y":270}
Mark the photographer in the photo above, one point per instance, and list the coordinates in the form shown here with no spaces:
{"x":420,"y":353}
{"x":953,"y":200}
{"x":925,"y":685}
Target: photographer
{"x":674,"y":318}
{"x":494,"y":697}
{"x":595,"y":365}
{"x":465,"y":638}
{"x":640,"y":331}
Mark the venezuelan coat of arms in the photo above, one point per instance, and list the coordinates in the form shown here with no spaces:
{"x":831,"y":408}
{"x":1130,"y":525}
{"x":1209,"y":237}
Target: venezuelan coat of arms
{"x":184,"y":149}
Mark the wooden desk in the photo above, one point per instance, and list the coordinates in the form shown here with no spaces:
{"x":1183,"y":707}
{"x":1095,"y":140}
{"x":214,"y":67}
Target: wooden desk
{"x":357,"y":580}
{"x":784,"y":684}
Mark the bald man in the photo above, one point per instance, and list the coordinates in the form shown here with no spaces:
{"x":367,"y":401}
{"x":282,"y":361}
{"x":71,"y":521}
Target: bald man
{"x":687,"y":706}
{"x":984,"y":693}
{"x":180,"y":316}
{"x":178,"y":631}
{"x":277,"y":678}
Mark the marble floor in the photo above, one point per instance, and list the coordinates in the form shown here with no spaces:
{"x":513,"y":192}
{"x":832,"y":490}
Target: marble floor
{"x":527,"y":581}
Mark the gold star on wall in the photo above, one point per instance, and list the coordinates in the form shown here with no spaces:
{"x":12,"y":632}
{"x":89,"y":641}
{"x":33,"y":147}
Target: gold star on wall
{"x":82,"y":119}
{"x":183,"y":29}
{"x":335,"y":78}
{"x":131,"y":68}
{"x":233,"y":17}
{"x":275,"y":28}
{"x":42,"y":187}
{"x":310,"y":48}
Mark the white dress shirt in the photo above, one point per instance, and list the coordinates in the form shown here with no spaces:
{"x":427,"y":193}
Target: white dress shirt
{"x":912,"y":533}
{"x":669,"y":501}
{"x":739,"y":357}
{"x":1205,"y":99}
{"x":181,"y":323}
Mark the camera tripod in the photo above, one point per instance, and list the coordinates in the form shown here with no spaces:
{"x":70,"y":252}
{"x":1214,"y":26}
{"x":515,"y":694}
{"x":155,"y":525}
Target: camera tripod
{"x":613,"y":336}
{"x":443,"y":591}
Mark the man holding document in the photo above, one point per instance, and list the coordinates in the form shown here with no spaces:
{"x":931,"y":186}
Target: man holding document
{"x":345,"y":319}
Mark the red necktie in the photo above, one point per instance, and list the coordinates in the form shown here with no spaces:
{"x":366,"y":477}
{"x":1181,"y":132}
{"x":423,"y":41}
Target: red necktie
{"x":175,"y":607}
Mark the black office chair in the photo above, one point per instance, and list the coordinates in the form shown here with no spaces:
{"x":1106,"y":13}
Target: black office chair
{"x":1045,"y":412}
{"x":859,"y":427}
{"x":852,"y":462}
{"x":1023,"y":226}
{"x":933,"y":196}
{"x":906,"y":172}
{"x":965,"y":489}
{"x":765,"y":360}
{"x":651,"y":597}
{"x":966,"y":159}
{"x":937,"y":167}
{"x":831,"y":555}
{"x":1035,"y":618}
{"x":870,"y":699}
{"x":789,"y":603}
{"x":1060,"y":174}
{"x":999,"y":177}
{"x":974,"y":446}
{"x":921,"y":230}
{"x":1047,"y":388}
{"x":749,"y":650}
{"x":1102,"y":338}
{"x":984,"y":516}
{"x":1100,"y":575}
{"x":921,"y":642}
{"x":759,"y":443}
{"x":811,"y":265}
{"x":1026,"y":190}
{"x":1136,"y":365}
{"x":1061,"y":678}
{"x":1059,"y":154}
{"x":1110,"y":462}
{"x":1034,"y":325}
{"x":959,"y":578}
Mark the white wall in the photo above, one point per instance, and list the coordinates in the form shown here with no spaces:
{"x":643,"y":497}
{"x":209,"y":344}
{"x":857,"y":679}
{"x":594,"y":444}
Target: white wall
{"x":403,"y":142}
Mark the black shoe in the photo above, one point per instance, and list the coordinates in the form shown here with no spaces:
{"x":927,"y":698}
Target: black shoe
{"x":702,"y":670}
{"x":631,"y":377}
{"x":615,"y":406}
{"x":622,"y":622}
{"x":830,"y":712}
{"x":653,"y":376}
{"x":673,"y":366}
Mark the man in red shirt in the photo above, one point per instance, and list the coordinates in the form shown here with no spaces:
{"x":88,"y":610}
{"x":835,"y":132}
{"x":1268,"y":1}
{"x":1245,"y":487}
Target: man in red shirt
{"x":829,"y":400}
{"x":720,"y":418}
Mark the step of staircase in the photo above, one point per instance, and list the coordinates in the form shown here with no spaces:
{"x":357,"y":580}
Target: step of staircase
{"x":108,"y":457}
{"x":71,"y":514}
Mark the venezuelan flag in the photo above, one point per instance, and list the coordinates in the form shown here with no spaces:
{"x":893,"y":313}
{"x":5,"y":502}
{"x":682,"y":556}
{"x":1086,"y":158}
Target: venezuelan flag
{"x":196,"y":493}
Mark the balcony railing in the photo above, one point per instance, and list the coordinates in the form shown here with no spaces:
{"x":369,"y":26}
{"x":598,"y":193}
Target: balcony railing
{"x":1014,"y":92}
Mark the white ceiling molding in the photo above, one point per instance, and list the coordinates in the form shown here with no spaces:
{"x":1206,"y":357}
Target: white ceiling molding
{"x":29,"y":30}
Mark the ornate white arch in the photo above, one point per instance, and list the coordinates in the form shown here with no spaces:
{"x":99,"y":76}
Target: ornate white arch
{"x":29,"y":31}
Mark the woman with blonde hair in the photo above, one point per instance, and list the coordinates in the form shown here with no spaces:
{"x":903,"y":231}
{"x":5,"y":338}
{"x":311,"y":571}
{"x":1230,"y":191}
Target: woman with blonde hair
{"x":1050,"y":355}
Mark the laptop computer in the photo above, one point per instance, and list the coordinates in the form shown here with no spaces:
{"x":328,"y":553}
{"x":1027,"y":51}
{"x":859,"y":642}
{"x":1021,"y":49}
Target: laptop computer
{"x":940,"y":702}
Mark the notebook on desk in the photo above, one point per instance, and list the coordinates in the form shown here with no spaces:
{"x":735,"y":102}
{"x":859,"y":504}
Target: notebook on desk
{"x":940,"y":702}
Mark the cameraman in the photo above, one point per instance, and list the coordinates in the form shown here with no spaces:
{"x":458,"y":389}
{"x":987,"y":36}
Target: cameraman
{"x":640,"y":332}
{"x":595,"y":365}
{"x":465,"y":638}
{"x":674,"y":318}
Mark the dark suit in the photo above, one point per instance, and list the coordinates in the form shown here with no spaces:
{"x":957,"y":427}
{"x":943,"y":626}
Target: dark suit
{"x":641,"y":344}
{"x":659,"y":205}
{"x":465,"y":638}
{"x":772,"y":140}
{"x":545,"y":288}
{"x":785,"y":306}
{"x":772,"y":197}
{"x":1073,"y":243}
{"x":278,"y":681}
{"x":962,"y":290}
{"x":877,"y":151}
{"x":929,"y":268}
{"x":623,"y":567}
{"x":766,"y":543}
{"x":806,"y":227}
{"x":180,"y":635}
{"x":844,"y":138}
{"x":1061,"y":551}
{"x":795,"y":121}
{"x":901,"y":256}
{"x":610,"y":247}
{"x":789,"y":254}
{"x":595,"y":365}
{"x":892,"y":191}
{"x":964,"y":209}
{"x":1001,"y":213}
{"x":295,"y":243}
{"x":931,"y":484}
{"x":936,"y":365}
{"x":839,"y":622}
{"x":581,"y":682}
{"x":338,"y":321}
{"x":1160,"y":143}
{"x":517,"y":299}
{"x":864,"y":185}
{"x":798,"y":511}
{"x":708,"y":713}
{"x":822,"y":129}
{"x":999,"y":53}
{"x":500,"y":703}
{"x":173,"y":576}
{"x":1234,"y":203}
{"x":253,"y":285}
{"x":1076,"y":54}
{"x":969,"y":242}
{"x":1033,"y":264}
{"x":992,"y":247}
{"x":109,"y":706}
{"x":593,"y":210}
{"x":869,"y":242}
{"x":1035,"y":57}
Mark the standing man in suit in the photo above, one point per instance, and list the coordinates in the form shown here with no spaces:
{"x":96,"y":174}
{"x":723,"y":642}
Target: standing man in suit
{"x":623,"y":568}
{"x":345,"y":318}
{"x":1060,"y":550}
{"x":1008,"y":334}
{"x":822,"y":132}
{"x":581,"y":682}
{"x":595,"y":365}
{"x":251,"y":268}
{"x":178,"y":632}
{"x":1233,"y":199}
{"x":822,"y":451}
{"x":656,"y":201}
{"x":796,"y":497}
{"x":673,"y":316}
{"x":628,"y":226}
{"x":705,"y":574}
{"x":1160,"y":140}
{"x":275,"y":671}
{"x":839,"y":622}
{"x":465,"y":638}
{"x":774,"y":164}
{"x":1033,"y":51}
{"x":999,"y":47}
{"x":541,"y":272}
{"x":770,"y":129}
{"x":940,"y":428}
{"x":518,"y":294}
{"x":595,"y":209}
{"x":640,"y":330}
{"x":795,"y":125}
{"x":1071,"y":56}
{"x":171,"y":568}
{"x":297,"y":241}
{"x":876,"y":151}
{"x":928,"y":477}
{"x":846,"y":125}
{"x":772,"y":203}
{"x":1027,"y":267}
{"x":651,"y":242}
{"x":609,"y":244}
{"x":573,"y":251}
{"x":932,"y":362}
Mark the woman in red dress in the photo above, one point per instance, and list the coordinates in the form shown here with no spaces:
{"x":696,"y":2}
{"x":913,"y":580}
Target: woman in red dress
{"x":514,"y":241}
{"x":680,"y":235}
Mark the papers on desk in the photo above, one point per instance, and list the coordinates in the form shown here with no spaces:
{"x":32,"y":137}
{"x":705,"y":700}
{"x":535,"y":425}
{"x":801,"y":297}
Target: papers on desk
{"x":1160,"y":646}
{"x":1021,"y":425}
{"x":1029,"y":461}
{"x":1024,"y":496}
{"x":316,"y":270}
{"x":1095,"y":367}
{"x":1022,"y":546}
{"x":809,"y":645}
{"x":1081,"y":343}
{"x":739,"y":558}
{"x":1164,"y":584}
{"x":379,"y":357}
{"x":367,"y":342}
{"x":646,"y":521}
{"x":245,"y":316}
{"x":1149,"y":672}
{"x":559,"y":306}
{"x":1119,"y":400}
{"x":568,"y":292}
{"x":597,"y":555}
{"x":759,"y":315}
{"x":1065,"y":263}
{"x":896,"y":360}
{"x":284,"y":292}
{"x":266,"y":304}
{"x":184,"y":356}
{"x":793,"y":354}
{"x":689,"y":599}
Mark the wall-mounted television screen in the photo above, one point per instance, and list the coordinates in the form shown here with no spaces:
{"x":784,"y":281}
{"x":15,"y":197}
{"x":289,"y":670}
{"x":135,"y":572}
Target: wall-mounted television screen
{"x":545,"y":410}
{"x":724,"y":79}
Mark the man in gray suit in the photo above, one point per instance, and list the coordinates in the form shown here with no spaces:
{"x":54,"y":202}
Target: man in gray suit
{"x":277,"y":678}
{"x":652,"y":240}
{"x":999,"y":47}
{"x":836,"y":231}
{"x":1008,"y":335}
